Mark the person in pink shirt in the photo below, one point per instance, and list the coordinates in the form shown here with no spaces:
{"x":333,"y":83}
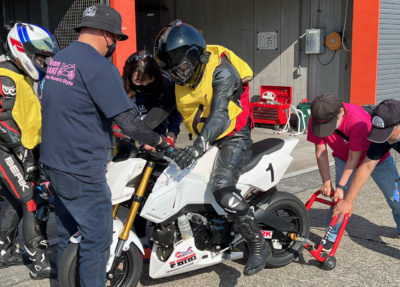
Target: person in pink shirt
{"x":344,"y":128}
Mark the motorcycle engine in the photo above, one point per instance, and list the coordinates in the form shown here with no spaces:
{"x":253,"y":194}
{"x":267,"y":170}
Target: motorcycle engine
{"x":208,"y":234}
{"x":215,"y":233}
{"x":165,"y":238}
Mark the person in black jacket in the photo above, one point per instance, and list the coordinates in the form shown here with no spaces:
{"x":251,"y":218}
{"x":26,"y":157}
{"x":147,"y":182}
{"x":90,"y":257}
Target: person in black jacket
{"x":153,"y":93}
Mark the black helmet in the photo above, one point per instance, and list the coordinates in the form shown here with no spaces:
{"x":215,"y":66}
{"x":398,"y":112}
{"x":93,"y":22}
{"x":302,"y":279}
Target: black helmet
{"x":180,"y":50}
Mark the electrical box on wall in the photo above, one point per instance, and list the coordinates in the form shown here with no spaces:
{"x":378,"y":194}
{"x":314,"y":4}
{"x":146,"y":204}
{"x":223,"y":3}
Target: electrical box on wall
{"x":315,"y":41}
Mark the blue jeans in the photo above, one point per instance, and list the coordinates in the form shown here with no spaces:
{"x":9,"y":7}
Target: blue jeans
{"x":85,"y":207}
{"x":384,"y":175}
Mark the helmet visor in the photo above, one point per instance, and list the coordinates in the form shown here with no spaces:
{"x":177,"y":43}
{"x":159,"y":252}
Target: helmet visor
{"x":46,"y":46}
{"x":39,"y":51}
{"x":182,"y":73}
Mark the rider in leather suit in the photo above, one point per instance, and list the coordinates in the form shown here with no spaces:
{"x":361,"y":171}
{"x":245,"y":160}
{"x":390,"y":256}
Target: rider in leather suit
{"x":215,"y":106}
{"x":28,"y":46}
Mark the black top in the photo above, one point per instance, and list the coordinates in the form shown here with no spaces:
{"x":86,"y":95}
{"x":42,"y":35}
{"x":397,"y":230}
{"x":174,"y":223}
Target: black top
{"x":377,"y":150}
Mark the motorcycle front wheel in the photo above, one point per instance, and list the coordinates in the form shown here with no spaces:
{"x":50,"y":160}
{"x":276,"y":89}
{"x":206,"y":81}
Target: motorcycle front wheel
{"x":285,"y":204}
{"x":127,"y":274}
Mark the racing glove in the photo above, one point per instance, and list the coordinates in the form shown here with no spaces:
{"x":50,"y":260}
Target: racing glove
{"x":28,"y":162}
{"x":42,"y":197}
{"x":167,"y":148}
{"x":188,"y":156}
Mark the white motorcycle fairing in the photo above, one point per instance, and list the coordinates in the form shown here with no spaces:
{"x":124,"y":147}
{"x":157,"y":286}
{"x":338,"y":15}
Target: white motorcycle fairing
{"x":176,"y":189}
{"x":269,"y":170}
{"x":186,"y":257}
{"x":119,"y":174}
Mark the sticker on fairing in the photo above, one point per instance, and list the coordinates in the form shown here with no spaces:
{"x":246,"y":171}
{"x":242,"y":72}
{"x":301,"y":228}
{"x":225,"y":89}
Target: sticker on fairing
{"x":182,"y":263}
{"x":266,"y":234}
{"x":181,"y":254}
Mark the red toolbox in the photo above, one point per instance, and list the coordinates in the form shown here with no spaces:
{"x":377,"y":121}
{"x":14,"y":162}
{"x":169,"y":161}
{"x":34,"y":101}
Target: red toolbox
{"x":270,"y":109}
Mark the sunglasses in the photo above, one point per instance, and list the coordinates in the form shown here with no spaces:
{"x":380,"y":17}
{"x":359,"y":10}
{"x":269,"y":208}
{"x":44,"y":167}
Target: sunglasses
{"x":145,"y":58}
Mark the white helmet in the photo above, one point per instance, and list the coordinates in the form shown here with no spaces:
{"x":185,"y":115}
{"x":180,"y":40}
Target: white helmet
{"x":27,"y":41}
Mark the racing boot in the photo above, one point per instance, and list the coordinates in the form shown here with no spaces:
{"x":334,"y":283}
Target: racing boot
{"x":41,"y":266}
{"x":259,"y":250}
{"x":9,"y":253}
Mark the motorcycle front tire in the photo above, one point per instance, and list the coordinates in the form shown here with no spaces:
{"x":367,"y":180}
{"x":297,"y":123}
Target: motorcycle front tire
{"x":68,"y":271}
{"x":287,"y":204}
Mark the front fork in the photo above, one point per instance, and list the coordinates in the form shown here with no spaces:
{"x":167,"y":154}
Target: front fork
{"x":137,"y":200}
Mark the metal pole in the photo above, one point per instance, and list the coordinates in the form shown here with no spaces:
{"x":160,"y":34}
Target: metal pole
{"x":4,"y":12}
{"x":45,"y":14}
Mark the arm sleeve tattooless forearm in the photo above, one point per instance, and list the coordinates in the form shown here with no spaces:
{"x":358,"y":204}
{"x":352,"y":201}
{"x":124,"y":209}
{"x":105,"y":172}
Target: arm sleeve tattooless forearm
{"x":134,"y":127}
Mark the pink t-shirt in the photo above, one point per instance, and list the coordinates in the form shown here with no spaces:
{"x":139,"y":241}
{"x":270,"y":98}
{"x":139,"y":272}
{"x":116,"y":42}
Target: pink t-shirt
{"x":356,"y":124}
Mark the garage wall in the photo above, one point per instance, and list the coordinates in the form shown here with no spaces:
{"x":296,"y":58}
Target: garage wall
{"x":388,"y":84}
{"x":234,"y":24}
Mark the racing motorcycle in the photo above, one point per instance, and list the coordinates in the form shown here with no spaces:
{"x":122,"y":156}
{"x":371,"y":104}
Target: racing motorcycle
{"x":189,"y":230}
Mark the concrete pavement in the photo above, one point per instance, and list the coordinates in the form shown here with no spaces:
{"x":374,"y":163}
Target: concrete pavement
{"x":368,"y":254}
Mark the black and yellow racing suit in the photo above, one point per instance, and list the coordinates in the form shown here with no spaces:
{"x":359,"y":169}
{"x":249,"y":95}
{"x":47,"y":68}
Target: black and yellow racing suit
{"x":18,"y":193}
{"x":218,"y":111}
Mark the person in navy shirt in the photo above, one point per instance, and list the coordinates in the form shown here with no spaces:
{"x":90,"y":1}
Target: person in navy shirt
{"x":83,"y":95}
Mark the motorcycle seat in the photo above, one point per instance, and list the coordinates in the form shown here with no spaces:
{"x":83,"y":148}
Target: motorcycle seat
{"x":262,"y":148}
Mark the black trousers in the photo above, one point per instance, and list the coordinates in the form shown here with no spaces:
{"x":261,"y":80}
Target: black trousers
{"x":233,"y":155}
{"x":18,"y":201}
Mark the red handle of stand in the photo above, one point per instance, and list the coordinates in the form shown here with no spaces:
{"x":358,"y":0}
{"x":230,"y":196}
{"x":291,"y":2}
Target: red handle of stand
{"x":314,"y":198}
{"x":317,"y":253}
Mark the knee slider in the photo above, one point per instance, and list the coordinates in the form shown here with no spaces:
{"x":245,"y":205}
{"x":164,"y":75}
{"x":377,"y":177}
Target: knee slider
{"x":231,"y":201}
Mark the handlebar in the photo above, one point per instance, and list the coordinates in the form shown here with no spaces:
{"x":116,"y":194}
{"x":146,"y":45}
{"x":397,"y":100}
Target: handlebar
{"x":160,"y":154}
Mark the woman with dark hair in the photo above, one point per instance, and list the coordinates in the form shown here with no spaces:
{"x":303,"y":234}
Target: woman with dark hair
{"x":154,"y":94}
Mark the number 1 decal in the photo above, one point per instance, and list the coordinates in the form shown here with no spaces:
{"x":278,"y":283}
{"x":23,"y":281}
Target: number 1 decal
{"x":272,"y":172}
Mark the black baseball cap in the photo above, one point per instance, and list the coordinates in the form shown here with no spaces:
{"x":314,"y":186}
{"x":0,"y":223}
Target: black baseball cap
{"x":324,"y":111}
{"x":102,"y":17}
{"x":384,"y":119}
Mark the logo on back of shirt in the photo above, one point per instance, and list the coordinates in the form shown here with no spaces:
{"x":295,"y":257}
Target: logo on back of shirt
{"x":67,"y":70}
{"x":61,"y":72}
{"x":378,"y":122}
